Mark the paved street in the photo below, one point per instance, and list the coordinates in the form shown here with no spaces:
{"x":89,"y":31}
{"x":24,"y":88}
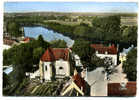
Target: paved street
{"x":119,"y":76}
{"x":96,"y":79}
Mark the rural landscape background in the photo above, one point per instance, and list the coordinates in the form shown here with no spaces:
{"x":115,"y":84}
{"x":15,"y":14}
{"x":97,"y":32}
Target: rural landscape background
{"x":70,"y":48}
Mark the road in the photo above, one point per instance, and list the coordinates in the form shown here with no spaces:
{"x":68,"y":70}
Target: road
{"x":96,"y":80}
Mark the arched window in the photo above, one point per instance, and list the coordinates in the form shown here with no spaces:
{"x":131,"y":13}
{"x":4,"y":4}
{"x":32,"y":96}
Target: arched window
{"x":60,"y":67}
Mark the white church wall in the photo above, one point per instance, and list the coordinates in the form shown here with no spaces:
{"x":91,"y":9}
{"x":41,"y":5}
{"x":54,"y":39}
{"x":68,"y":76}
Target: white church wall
{"x":47,"y":70}
{"x":62,"y":67}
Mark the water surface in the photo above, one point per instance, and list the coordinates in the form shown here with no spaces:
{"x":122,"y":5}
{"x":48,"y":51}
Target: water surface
{"x":48,"y":35}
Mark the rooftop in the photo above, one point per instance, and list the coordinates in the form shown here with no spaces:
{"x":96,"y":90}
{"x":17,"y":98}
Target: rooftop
{"x":79,"y":81}
{"x":53,"y":54}
{"x":102,"y":49}
{"x":115,"y":89}
{"x":27,"y":39}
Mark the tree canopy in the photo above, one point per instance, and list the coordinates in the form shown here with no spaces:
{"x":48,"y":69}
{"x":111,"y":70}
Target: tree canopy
{"x":58,"y":44}
{"x":84,"y":50}
{"x":24,"y":56}
{"x":130,"y":65}
{"x":13,"y":29}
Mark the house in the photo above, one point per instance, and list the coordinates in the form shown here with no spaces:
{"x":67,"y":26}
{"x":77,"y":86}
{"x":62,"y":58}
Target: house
{"x":8,"y":69}
{"x":76,"y":86}
{"x":122,"y":89}
{"x":55,"y":63}
{"x":106,"y":51}
{"x":9,"y":41}
{"x":27,"y":39}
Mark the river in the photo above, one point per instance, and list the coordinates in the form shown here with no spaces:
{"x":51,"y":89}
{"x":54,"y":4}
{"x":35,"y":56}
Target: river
{"x":48,"y":35}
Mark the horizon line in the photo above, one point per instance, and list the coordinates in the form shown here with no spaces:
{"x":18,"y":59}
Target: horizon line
{"x":67,"y":12}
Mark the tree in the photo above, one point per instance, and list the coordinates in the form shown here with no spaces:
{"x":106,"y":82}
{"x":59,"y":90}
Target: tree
{"x":13,"y":29}
{"x":84,"y":50}
{"x":80,"y":30}
{"x":41,"y":42}
{"x":108,"y":65}
{"x":96,"y":62}
{"x":129,"y":34}
{"x":5,"y":80}
{"x":130,"y":65}
{"x":37,"y":53}
{"x":58,"y":44}
{"x":108,"y":27}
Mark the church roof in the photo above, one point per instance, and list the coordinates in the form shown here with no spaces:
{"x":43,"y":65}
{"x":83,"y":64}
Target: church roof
{"x":102,"y":49}
{"x":53,"y":54}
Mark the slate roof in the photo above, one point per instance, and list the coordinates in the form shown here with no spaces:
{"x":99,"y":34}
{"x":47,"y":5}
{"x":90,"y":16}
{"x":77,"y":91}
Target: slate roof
{"x":53,"y":54}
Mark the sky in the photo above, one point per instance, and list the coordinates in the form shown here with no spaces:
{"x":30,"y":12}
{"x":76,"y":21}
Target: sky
{"x":126,"y":7}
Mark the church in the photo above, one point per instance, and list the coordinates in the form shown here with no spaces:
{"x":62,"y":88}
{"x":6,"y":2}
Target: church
{"x":55,"y":63}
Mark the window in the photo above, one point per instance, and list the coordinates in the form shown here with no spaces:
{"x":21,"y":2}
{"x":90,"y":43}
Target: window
{"x":45,"y":67}
{"x":60,"y":67}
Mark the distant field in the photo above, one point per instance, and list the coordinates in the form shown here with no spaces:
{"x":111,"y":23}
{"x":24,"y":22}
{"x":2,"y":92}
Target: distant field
{"x":129,"y":21}
{"x":124,"y":21}
{"x":126,"y":18}
{"x":63,"y":22}
{"x":68,"y":22}
{"x":70,"y":14}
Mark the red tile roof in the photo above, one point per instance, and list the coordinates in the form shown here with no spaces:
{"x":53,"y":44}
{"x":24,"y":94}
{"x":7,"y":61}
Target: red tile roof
{"x":52,"y":54}
{"x":79,"y":81}
{"x":114,"y":89}
{"x":27,"y":39}
{"x":102,"y":49}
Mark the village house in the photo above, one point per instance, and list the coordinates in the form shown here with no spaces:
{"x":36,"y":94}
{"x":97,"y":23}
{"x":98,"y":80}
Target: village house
{"x":27,"y":39}
{"x":9,"y":41}
{"x":106,"y":51}
{"x":55,"y":63}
